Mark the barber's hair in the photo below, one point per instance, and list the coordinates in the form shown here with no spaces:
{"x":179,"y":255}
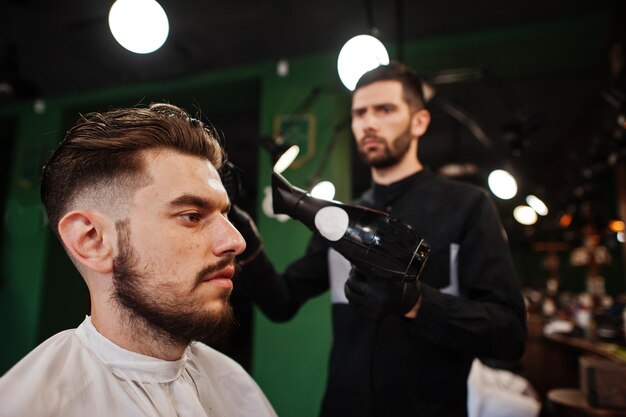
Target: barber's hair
{"x":105,"y":151}
{"x":412,"y":83}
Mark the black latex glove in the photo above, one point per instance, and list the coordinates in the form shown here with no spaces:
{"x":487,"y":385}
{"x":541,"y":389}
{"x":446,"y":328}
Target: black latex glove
{"x":375,"y":296}
{"x":229,"y":174}
{"x":244,"y":223}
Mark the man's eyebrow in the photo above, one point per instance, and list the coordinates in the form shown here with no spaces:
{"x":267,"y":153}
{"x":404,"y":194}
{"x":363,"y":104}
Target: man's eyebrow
{"x":385,"y":105}
{"x":194,"y":200}
{"x":375,"y":105}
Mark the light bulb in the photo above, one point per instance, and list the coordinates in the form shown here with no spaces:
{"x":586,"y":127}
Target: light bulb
{"x":141,"y":26}
{"x":537,"y":205}
{"x":360,"y":54}
{"x":324,"y":190}
{"x":525,"y":215}
{"x":502,"y":184}
{"x":286,"y":159}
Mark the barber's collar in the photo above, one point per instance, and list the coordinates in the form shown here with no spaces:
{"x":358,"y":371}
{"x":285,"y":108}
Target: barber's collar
{"x":386,"y":194}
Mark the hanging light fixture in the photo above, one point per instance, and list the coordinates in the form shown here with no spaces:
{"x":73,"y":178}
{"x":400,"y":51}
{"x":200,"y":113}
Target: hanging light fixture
{"x":360,"y":54}
{"x":283,"y":154}
{"x":537,"y":205}
{"x":502,"y":184}
{"x":525,"y":215}
{"x":141,"y":26}
{"x":324,"y":190}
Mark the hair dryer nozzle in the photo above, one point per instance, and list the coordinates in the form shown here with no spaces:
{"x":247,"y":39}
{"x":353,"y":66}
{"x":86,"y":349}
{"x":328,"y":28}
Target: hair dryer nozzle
{"x":285,"y":197}
{"x":295,"y":202}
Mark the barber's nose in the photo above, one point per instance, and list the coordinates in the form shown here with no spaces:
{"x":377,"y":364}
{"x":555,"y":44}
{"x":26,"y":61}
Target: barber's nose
{"x":364,"y":124}
{"x":370,"y":123}
{"x":230,"y":242}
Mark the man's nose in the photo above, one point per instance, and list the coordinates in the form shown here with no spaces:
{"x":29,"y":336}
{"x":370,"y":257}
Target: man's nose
{"x":369,"y":123}
{"x":230,"y":242}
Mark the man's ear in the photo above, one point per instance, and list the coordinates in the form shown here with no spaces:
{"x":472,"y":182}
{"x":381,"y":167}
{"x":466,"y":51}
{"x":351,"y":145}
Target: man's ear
{"x":88,"y":238}
{"x":419,"y":122}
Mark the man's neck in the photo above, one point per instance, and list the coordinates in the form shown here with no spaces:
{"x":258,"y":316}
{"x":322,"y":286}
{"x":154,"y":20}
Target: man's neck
{"x":403,"y":169}
{"x":132,"y":333}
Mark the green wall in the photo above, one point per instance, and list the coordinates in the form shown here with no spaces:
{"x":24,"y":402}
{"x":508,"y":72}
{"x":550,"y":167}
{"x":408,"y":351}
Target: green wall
{"x":295,"y":382}
{"x":289,"y":360}
{"x":25,"y":234}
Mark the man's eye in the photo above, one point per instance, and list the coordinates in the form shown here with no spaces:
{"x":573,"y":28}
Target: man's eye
{"x":191,"y":217}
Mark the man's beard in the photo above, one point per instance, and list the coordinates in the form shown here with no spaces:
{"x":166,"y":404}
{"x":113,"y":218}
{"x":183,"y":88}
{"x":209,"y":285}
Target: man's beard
{"x":163,"y":309}
{"x":388,"y":158}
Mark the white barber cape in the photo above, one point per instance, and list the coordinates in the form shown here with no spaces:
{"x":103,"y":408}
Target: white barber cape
{"x":80,"y":373}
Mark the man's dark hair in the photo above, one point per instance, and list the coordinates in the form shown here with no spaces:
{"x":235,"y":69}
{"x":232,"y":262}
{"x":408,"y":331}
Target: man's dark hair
{"x":104,"y":151}
{"x":412,"y":83}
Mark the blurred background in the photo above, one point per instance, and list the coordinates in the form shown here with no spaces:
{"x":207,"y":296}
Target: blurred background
{"x":536,"y":88}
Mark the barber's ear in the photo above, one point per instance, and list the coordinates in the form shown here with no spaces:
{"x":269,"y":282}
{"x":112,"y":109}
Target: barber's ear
{"x":88,"y":237}
{"x":419,"y":122}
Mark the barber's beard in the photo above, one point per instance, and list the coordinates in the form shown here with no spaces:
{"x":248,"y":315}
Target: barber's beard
{"x":391,"y":155}
{"x":167,"y":313}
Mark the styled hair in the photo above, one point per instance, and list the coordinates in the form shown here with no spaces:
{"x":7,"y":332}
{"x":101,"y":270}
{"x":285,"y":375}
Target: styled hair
{"x":412,"y":83}
{"x":103,"y":153}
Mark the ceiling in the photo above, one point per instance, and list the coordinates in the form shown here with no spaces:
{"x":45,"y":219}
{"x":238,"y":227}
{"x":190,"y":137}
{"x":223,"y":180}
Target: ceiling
{"x":60,"y":47}
{"x":540,"y":125}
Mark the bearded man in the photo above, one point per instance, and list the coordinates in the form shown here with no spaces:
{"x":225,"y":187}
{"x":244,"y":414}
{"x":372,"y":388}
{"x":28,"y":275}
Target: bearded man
{"x":403,"y":349}
{"x":135,"y":197}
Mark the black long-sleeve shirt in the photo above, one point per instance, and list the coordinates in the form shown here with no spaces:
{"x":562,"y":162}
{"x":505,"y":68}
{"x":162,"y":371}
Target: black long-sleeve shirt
{"x":471,"y":305}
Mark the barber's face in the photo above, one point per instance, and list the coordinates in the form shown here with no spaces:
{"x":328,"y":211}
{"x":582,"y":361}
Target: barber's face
{"x":381,"y":123}
{"x":176,"y":250}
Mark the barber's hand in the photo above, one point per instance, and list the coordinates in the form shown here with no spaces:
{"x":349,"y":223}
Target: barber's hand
{"x":244,"y":223}
{"x":374,"y":296}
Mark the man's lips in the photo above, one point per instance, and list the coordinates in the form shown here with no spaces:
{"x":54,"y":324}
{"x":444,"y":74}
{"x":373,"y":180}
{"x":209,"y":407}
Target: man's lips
{"x":226,"y":273}
{"x":369,"y":142}
{"x":221,"y":278}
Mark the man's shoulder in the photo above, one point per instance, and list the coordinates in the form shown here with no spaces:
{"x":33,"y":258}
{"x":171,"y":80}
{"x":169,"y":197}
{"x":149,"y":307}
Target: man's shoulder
{"x":430,"y":182}
{"x":45,"y":354}
{"x":36,"y":382}
{"x":454,"y":186}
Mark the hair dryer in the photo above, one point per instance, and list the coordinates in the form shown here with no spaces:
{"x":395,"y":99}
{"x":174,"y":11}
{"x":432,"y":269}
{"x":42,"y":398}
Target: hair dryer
{"x":371,"y":240}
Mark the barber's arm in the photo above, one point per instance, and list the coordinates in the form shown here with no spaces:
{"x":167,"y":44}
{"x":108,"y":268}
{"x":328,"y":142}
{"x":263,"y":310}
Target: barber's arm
{"x":245,"y":225}
{"x":488,"y":319}
{"x":279,"y":296}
